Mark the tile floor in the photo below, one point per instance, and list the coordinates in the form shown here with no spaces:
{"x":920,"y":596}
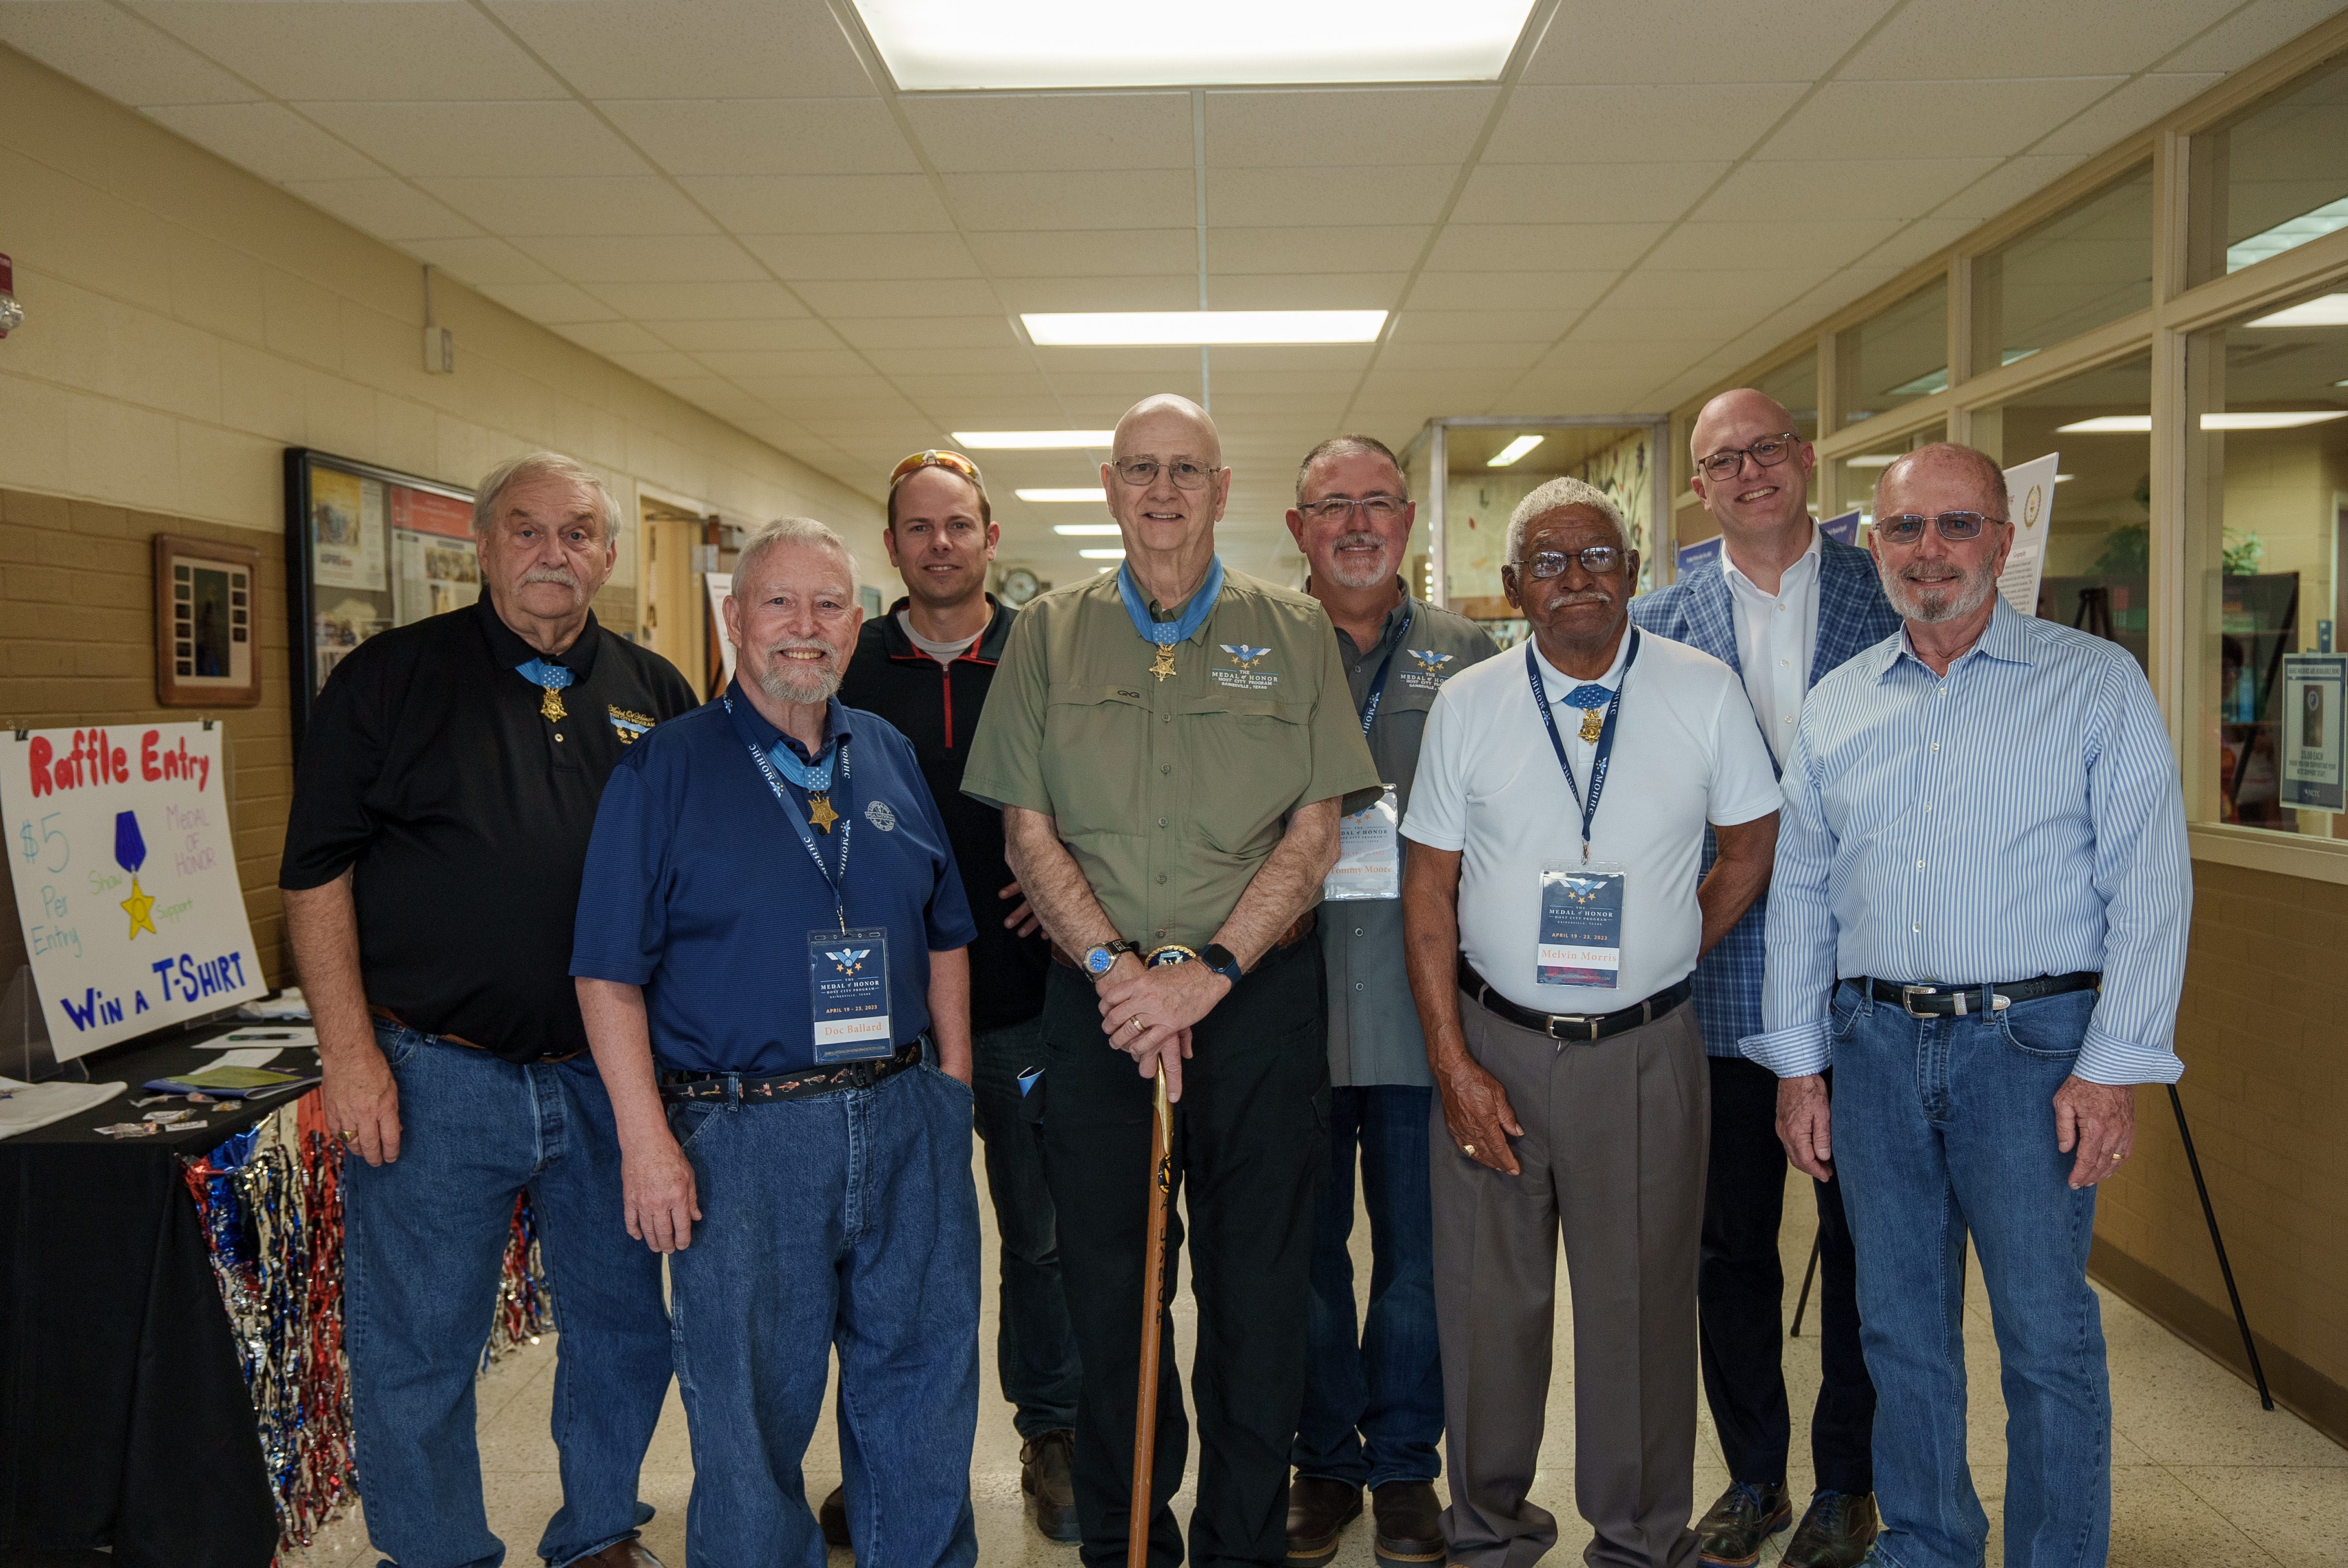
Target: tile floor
{"x":2201,"y":1476}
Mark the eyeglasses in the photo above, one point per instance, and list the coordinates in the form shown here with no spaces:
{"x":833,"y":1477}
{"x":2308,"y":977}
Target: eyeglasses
{"x":1766,"y":452}
{"x":952,"y":462}
{"x":1908,"y":527}
{"x":1598,"y":560}
{"x":1142,"y":472}
{"x":1337,"y":509}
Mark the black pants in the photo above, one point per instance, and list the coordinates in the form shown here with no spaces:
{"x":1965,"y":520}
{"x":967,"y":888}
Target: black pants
{"x":1740,"y":1300}
{"x":1250,"y":1148}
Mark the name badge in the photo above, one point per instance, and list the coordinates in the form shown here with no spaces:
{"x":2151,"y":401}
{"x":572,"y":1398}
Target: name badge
{"x":1581,"y":926}
{"x":847,"y":983}
{"x":1369,"y":853}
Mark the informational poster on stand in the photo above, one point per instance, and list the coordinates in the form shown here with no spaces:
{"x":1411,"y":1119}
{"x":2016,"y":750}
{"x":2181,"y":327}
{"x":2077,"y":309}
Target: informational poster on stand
{"x":721,"y":584}
{"x":2313,"y":775}
{"x":120,"y":847}
{"x":1843,"y":530}
{"x":2030,"y":507}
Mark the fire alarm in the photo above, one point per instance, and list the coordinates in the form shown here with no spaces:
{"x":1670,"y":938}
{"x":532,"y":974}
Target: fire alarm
{"x":12,"y":314}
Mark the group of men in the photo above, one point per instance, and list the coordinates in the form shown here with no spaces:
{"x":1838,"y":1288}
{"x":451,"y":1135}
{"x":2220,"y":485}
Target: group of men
{"x":1563,"y":943}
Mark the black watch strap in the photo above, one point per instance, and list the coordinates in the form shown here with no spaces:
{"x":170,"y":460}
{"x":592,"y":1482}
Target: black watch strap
{"x":1110,"y":949}
{"x":1218,"y":958}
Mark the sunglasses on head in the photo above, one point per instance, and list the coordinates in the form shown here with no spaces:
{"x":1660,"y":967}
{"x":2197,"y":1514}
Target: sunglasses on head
{"x":952,"y":462}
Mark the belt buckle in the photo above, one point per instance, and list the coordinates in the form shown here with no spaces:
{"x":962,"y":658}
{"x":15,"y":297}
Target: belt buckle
{"x":1908,"y":995}
{"x":1581,"y":1021}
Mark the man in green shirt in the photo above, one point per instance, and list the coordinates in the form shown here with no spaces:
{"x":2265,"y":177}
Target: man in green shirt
{"x":1172,"y":745}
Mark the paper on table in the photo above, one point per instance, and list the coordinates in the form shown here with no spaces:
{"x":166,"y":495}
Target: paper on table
{"x":279,"y":1035}
{"x":287,"y":1003}
{"x":2030,"y":506}
{"x":25,"y":1106}
{"x":261,"y":1057}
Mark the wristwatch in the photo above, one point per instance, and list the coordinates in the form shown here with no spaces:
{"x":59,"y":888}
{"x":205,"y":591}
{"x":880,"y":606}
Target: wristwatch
{"x":1099,"y":960}
{"x":1218,"y":958}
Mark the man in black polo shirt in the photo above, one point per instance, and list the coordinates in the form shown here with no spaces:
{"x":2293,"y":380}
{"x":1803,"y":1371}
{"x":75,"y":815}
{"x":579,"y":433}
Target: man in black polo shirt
{"x":446,"y":790}
{"x":925,"y":667}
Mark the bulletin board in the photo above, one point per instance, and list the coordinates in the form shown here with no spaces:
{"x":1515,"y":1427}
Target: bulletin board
{"x":366,"y":548}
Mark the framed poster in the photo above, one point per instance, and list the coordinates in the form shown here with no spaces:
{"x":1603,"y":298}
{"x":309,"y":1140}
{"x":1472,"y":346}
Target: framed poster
{"x":2313,"y":775}
{"x":366,"y":548}
{"x":204,"y":623}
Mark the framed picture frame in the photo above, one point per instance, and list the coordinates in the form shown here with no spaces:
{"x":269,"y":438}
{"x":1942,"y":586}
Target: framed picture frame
{"x":366,"y":548}
{"x":207,"y":649}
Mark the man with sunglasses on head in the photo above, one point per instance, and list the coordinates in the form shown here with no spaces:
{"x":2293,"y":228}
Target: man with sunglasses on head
{"x":926,"y":667}
{"x":1554,"y":916}
{"x":1978,"y":918}
{"x":1172,"y":745}
{"x":1373,"y":1405}
{"x":1783,"y":606}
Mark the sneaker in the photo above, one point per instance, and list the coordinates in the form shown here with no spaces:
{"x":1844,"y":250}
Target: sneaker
{"x":1731,"y":1533}
{"x":1836,"y":1531}
{"x":1049,"y":1488}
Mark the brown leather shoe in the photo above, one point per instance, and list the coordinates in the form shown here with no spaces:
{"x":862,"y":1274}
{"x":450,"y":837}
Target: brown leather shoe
{"x":1835,"y":1533}
{"x":832,"y":1517}
{"x":1731,"y":1533}
{"x":1409,"y":1522}
{"x":629,"y":1553}
{"x":1045,"y":1479}
{"x":1319,"y":1509}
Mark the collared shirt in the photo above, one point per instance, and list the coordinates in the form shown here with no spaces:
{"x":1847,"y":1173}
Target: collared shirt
{"x":699,"y":890}
{"x":1374,"y":1034}
{"x":1685,"y":755}
{"x":1775,"y":634}
{"x":2019,"y":816}
{"x":431,"y":770}
{"x":1170,"y":794}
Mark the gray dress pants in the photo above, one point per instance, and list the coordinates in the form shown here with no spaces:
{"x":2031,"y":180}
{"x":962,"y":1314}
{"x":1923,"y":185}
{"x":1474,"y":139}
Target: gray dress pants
{"x":1613,"y":1157}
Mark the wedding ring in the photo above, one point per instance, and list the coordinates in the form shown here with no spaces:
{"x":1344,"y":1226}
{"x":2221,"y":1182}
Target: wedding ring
{"x":348,"y":1134}
{"x":1135,"y":1024}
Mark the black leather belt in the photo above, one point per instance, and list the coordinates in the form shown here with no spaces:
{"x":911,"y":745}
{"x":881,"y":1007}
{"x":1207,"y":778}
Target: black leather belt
{"x":733,"y":1086}
{"x":1956,"y":1001}
{"x":1574,"y":1026}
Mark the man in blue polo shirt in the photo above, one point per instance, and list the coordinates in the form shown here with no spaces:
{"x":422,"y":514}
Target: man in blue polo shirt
{"x":771,"y":928}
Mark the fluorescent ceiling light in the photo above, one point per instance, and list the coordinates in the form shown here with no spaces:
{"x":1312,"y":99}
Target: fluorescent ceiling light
{"x":2326,"y":311}
{"x":1924,"y":385}
{"x":1872,"y":460}
{"x":1086,"y":328}
{"x":2016,"y":355}
{"x":1032,"y":440}
{"x":2287,"y":236}
{"x":1086,"y":530}
{"x":2064,"y":479}
{"x":1514,"y":450}
{"x":933,"y":45}
{"x":1095,"y":495}
{"x":2109,"y":424}
{"x":2251,"y":419}
{"x":1117,"y":554}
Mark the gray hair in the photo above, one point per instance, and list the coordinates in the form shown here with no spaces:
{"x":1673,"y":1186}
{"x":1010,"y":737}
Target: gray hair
{"x":793,"y":531}
{"x":532,"y":466}
{"x":1350,"y":446}
{"x":1986,"y":474}
{"x":1559,"y":492}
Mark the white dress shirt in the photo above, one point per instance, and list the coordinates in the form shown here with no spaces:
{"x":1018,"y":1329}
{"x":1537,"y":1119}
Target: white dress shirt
{"x":1775,"y":633}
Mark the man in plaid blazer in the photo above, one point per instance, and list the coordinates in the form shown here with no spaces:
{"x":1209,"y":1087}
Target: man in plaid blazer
{"x":1782,"y":605}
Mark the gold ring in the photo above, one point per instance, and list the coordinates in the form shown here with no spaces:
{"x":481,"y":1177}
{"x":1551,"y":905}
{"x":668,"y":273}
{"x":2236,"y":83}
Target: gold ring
{"x":1468,"y":1149}
{"x":2117,"y":1155}
{"x":348,"y":1134}
{"x":1133,"y":1023}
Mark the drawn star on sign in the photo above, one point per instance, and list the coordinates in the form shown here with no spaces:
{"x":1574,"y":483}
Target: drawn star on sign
{"x":140,"y":908}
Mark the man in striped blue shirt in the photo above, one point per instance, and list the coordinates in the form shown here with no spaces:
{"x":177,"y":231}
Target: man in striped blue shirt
{"x":1978,"y":916}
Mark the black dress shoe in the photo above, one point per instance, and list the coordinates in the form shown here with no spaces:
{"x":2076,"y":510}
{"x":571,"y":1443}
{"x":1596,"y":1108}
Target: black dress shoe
{"x":1409,"y":1522}
{"x":1049,"y":1488}
{"x":1319,"y":1509}
{"x":1835,"y":1534}
{"x":1731,"y":1533}
{"x":832,"y":1517}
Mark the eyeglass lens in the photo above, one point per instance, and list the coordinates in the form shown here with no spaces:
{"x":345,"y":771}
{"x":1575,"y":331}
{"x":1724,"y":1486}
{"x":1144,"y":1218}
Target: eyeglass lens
{"x":1908,"y":527}
{"x":1766,"y":452}
{"x":1378,"y":508}
{"x":1186,"y":475}
{"x":1597,"y":560}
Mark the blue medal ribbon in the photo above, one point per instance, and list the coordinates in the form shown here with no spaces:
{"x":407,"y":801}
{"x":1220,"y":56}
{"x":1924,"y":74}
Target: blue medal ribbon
{"x":764,"y":762}
{"x":1166,"y":633}
{"x":1378,"y":686}
{"x":1605,"y":736}
{"x":553,"y":677}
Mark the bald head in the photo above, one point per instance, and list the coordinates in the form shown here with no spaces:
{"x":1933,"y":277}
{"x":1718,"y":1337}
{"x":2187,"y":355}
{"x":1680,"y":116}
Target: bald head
{"x":1166,"y":487}
{"x":1763,"y":508}
{"x":1168,"y":417}
{"x":1744,"y":408}
{"x":1953,"y":477}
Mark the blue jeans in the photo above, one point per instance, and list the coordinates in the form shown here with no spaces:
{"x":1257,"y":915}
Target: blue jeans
{"x":424,"y":1239}
{"x":845,"y":1219}
{"x":1373,"y":1412}
{"x":1035,"y":1347}
{"x":1943,"y":1126}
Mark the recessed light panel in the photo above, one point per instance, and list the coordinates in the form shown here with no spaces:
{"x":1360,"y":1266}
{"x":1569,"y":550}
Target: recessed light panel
{"x":1085,"y":531}
{"x":1032,"y":440}
{"x":1189,"y":328}
{"x":2325,"y":310}
{"x":1102,"y":555}
{"x":946,"y":45}
{"x":1095,"y":495}
{"x":2244,"y":419}
{"x":1512,"y":451}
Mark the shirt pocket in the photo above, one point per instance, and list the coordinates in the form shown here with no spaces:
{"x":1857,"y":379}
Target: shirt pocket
{"x":1096,"y":745}
{"x":1248,"y":758}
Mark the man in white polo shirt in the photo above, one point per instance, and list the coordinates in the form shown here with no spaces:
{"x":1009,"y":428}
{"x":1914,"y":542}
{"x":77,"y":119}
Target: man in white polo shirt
{"x":1552,"y":917}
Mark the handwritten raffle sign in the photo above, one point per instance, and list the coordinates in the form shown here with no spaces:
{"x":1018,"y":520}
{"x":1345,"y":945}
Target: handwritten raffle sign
{"x":118,"y":842}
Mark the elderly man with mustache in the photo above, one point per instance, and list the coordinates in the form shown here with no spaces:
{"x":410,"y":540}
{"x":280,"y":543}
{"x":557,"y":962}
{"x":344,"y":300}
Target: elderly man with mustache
{"x":771,"y":959}
{"x":446,"y":787}
{"x":1978,"y":919}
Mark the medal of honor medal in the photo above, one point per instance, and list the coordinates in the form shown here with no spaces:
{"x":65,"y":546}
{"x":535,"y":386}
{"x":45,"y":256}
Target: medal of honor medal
{"x":820,"y":816}
{"x":1593,"y":723}
{"x":1163,"y":665}
{"x":551,"y":705}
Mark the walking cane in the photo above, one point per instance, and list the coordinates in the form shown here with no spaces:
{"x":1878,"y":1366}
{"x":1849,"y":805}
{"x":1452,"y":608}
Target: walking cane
{"x":1153,"y":1311}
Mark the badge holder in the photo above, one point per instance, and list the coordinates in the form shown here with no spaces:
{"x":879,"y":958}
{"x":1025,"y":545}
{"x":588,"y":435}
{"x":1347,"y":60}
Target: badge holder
{"x":847,"y":986}
{"x":1369,"y":853}
{"x":1580,"y":923}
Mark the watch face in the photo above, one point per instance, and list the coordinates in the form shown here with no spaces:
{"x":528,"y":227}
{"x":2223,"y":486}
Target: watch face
{"x":1099,"y":961}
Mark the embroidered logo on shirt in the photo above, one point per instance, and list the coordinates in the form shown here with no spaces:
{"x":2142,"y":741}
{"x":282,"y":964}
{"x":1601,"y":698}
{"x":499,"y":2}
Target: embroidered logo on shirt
{"x":879,"y":814}
{"x":1245,"y":676}
{"x":629,"y":725}
{"x":1430,"y":672}
{"x":847,"y":961}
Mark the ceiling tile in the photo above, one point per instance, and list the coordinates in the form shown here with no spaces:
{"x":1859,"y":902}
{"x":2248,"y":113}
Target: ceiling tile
{"x":480,"y":140}
{"x":742,"y":364}
{"x":1056,"y":200}
{"x":915,"y":332}
{"x":1458,"y":356}
{"x":2249,"y":32}
{"x":953,"y":360}
{"x":767,"y":135}
{"x":549,"y":303}
{"x":1917,"y":241}
{"x":2010,"y":181}
{"x":1097,"y":253}
{"x":795,"y":257}
{"x":1704,"y":328}
{"x":1788,"y":243}
{"x":1501,"y":291}
{"x":386,"y":208}
{"x":722,"y":333}
{"x":673,"y":258}
{"x":1680,"y":40}
{"x":1018,"y":132}
{"x":1638,"y":124}
{"x":1305,"y":291}
{"x":270,"y":140}
{"x":611,"y":337}
{"x":1480,"y":326}
{"x":1080,"y":370}
{"x":1408,"y":193}
{"x":701,"y":302}
{"x":1933,"y":40}
{"x":644,"y":204}
{"x":1933,"y":119}
{"x":1343,"y":126}
{"x":1768,"y":190}
{"x":690,"y":48}
{"x":819,"y":203}
{"x":113,"y":51}
{"x":1727,"y":285}
{"x":2126,"y":112}
{"x":920,"y":297}
{"x":658,"y":364}
{"x":1540,"y":247}
{"x":481,"y":260}
{"x":1135,"y":291}
{"x":1376,"y":248}
{"x":379,"y":49}
{"x":1584,"y":193}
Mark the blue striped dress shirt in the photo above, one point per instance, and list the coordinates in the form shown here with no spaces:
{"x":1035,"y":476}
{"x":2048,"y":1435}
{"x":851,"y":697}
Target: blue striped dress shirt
{"x":2019,"y":817}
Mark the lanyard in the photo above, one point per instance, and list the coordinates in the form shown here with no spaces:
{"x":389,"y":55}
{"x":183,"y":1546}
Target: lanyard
{"x":1605,"y":737}
{"x":1378,"y":686}
{"x":1168,"y":633}
{"x":847,"y":824}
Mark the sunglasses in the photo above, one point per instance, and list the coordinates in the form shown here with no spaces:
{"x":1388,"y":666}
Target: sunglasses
{"x":952,"y":462}
{"x":1908,"y":527}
